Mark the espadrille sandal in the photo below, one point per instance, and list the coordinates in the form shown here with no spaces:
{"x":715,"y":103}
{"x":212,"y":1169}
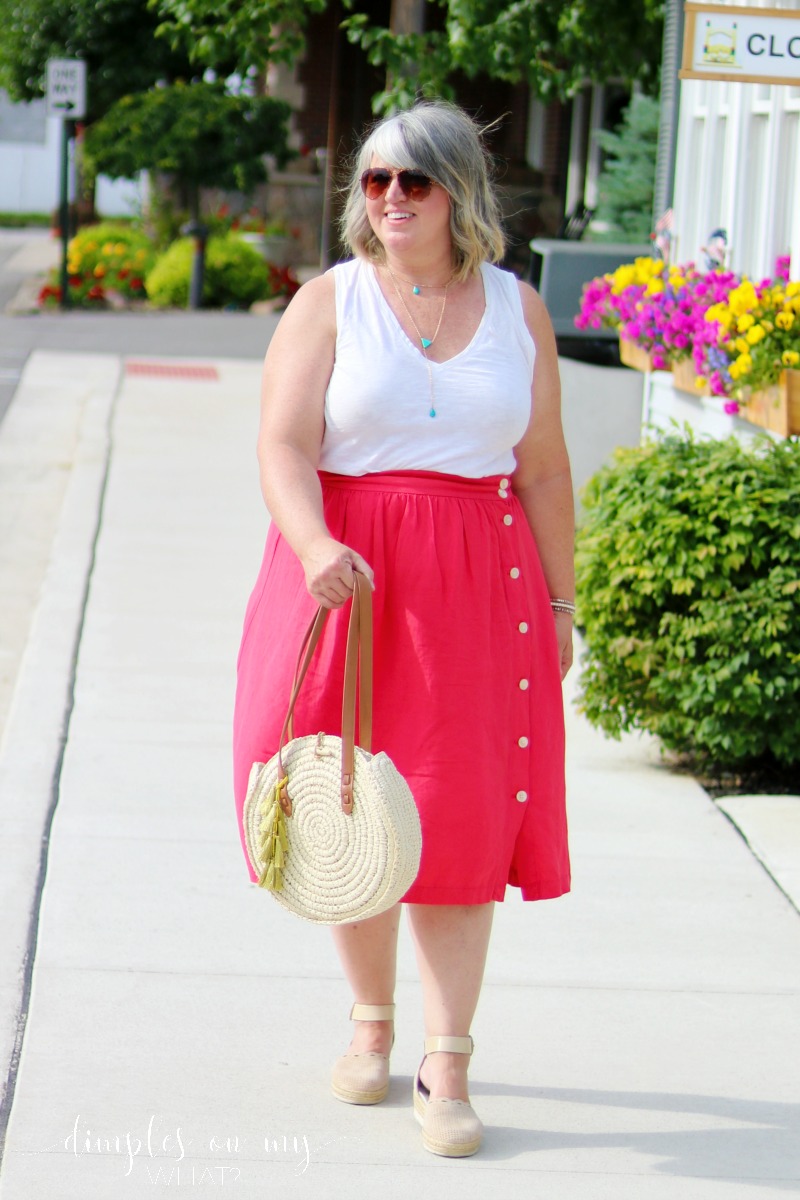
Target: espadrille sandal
{"x":451,"y":1128}
{"x":363,"y":1078}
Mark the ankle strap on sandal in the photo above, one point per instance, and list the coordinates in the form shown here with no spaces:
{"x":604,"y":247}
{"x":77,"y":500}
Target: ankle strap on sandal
{"x":450,"y":1045}
{"x":372,"y":1012}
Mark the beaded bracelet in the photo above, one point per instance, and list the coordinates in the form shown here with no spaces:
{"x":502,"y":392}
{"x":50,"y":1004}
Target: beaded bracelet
{"x":562,"y":606}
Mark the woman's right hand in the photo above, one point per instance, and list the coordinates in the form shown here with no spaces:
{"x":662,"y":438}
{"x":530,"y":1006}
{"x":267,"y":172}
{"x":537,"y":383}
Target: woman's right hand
{"x":329,"y":567}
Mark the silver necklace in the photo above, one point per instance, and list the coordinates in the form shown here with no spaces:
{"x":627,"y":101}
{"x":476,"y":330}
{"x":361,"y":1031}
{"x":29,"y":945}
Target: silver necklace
{"x":424,"y":342}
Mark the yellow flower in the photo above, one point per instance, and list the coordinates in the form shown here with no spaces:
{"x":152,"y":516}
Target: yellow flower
{"x":721,"y":314}
{"x":99,"y":271}
{"x":790,"y":358}
{"x":654,"y":286}
{"x":742,"y":345}
{"x":108,"y":248}
{"x":141,"y":254}
{"x":744,"y":363}
{"x":767,"y":326}
{"x":119,"y":248}
{"x":743,"y":298}
{"x":622,"y":278}
{"x":793,"y":288}
{"x":744,"y":322}
{"x":784,"y":320}
{"x":755,"y":335}
{"x":90,"y":246}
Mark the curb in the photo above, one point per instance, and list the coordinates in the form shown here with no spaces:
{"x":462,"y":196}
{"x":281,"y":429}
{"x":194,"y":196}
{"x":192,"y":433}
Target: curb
{"x":35,"y":732}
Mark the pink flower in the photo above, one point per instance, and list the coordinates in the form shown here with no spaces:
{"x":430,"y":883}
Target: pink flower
{"x":730,"y":407}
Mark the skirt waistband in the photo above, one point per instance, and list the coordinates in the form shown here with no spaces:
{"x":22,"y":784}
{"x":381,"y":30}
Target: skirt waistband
{"x":420,"y":483}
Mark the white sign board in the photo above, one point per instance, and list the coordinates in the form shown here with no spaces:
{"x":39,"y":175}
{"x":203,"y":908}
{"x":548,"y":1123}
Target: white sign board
{"x":746,"y":45}
{"x":66,"y":88}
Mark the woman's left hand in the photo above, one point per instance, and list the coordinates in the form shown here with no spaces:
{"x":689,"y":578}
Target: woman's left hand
{"x":564,"y":636}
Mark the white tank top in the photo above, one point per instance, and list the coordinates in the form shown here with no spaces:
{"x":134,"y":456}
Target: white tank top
{"x":377,"y":406}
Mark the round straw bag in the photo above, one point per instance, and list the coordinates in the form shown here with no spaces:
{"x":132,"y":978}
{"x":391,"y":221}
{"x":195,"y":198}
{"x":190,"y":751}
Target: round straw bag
{"x":331,"y":830}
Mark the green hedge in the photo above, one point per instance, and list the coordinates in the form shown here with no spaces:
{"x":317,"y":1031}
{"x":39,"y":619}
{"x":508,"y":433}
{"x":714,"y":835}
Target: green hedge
{"x":688,"y":586}
{"x":235,"y":274}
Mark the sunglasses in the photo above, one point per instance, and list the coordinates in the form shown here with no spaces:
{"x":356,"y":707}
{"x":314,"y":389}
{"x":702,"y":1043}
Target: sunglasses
{"x":414,"y":185}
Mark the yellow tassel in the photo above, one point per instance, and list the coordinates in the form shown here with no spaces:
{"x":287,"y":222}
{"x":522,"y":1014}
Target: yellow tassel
{"x":273,"y":842}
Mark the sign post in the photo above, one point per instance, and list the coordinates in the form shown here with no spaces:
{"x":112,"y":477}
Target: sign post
{"x":66,"y":98}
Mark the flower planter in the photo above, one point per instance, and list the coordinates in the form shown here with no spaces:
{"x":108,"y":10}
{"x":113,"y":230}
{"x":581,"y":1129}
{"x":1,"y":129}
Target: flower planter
{"x":684,"y":377}
{"x":635,"y":356}
{"x":776,"y":408}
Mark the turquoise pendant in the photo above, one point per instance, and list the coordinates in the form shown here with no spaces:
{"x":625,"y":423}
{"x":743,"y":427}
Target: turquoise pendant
{"x":432,"y":413}
{"x":415,"y":290}
{"x":425,"y":343}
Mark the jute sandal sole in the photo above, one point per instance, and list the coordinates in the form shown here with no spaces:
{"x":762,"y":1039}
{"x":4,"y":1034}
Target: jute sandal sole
{"x":450,"y":1128}
{"x":363,"y":1078}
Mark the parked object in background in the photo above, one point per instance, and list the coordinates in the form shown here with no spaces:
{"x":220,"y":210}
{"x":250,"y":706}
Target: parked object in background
{"x":559,"y":271}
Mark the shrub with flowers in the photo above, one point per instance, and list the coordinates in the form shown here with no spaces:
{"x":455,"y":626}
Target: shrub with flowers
{"x":105,"y":263}
{"x":739,"y":334}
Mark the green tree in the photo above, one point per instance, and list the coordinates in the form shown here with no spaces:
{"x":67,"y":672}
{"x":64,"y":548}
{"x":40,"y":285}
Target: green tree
{"x":243,"y":35}
{"x":554,"y":47}
{"x":626,"y":183}
{"x":115,"y":37}
{"x":195,"y":132}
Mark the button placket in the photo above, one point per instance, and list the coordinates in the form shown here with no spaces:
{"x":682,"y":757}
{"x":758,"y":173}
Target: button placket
{"x":521,"y":741}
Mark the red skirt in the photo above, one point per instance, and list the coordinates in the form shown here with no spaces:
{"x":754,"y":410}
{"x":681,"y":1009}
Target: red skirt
{"x":467,"y":683}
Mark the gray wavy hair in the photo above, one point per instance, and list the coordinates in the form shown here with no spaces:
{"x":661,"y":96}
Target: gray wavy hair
{"x":440,"y":140}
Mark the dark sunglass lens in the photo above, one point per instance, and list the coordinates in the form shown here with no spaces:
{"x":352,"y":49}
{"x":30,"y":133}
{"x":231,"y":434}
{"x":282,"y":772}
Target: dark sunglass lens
{"x":374,"y":183}
{"x":415,"y":185}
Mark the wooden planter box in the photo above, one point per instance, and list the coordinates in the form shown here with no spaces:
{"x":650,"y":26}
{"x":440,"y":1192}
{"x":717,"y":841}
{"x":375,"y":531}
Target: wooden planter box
{"x":684,"y":377}
{"x":635,"y":356}
{"x":776,"y":408}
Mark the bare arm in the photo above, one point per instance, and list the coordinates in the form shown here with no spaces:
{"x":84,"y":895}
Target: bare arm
{"x":297,"y":369}
{"x":542,"y":479}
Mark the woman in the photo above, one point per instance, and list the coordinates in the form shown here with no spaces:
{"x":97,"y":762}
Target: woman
{"x":411,"y":431}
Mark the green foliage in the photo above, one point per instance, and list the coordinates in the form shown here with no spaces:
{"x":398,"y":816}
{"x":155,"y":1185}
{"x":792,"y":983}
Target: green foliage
{"x":626,"y":183}
{"x":553,"y":46}
{"x":235,"y":275}
{"x":244,"y":33}
{"x":196,"y":132}
{"x":115,"y":37}
{"x":15,"y":220}
{"x":688,"y":581}
{"x":107,"y":260}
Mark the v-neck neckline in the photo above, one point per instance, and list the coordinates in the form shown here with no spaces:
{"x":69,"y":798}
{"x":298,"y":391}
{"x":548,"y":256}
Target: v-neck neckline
{"x":415,"y":349}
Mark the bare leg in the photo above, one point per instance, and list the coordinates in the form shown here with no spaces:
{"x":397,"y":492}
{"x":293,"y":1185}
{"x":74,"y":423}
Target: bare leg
{"x":368,"y":954}
{"x":451,"y":943}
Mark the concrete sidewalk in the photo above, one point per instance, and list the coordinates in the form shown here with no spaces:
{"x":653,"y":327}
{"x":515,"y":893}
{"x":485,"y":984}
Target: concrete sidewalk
{"x":635,"y":1041}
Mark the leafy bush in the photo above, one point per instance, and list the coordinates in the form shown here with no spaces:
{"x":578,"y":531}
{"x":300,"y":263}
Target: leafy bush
{"x":104,"y":259}
{"x":688,"y":581}
{"x":235,"y":275}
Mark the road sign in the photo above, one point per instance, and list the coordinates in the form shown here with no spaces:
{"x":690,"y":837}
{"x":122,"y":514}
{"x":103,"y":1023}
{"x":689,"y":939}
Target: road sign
{"x":66,"y":88}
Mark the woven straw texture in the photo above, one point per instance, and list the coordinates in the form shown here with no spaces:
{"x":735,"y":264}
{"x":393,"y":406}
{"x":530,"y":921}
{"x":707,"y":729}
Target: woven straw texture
{"x":338,"y":868}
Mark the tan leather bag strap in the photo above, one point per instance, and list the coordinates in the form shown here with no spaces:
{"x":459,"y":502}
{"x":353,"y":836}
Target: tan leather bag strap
{"x":357,"y":686}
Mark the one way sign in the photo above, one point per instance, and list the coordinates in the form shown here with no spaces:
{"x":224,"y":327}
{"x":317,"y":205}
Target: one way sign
{"x":66,"y":88}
